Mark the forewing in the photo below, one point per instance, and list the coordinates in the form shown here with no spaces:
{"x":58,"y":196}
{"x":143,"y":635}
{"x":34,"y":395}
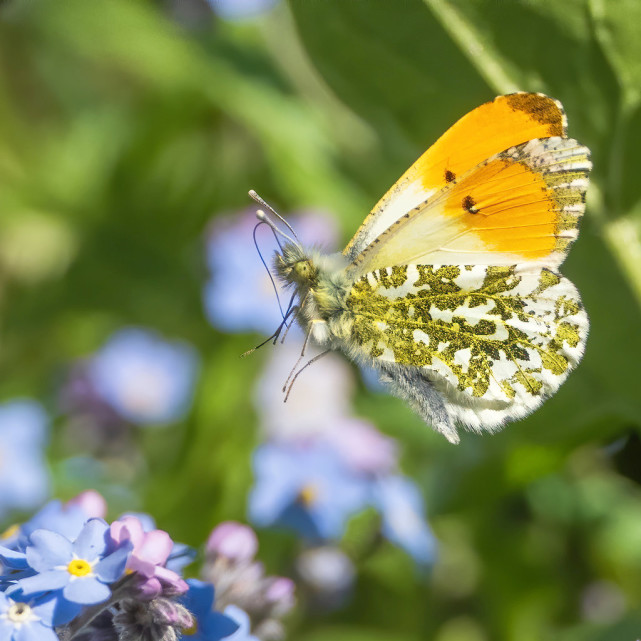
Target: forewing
{"x":504,"y":122}
{"x":494,"y":341}
{"x":520,"y":206}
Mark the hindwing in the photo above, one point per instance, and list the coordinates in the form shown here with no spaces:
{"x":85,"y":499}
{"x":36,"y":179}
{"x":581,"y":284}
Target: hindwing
{"x":493,"y":341}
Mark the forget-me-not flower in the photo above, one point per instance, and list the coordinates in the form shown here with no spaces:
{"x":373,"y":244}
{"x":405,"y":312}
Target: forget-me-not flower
{"x":30,"y":620}
{"x":400,"y":504}
{"x":209,"y":624}
{"x":79,"y":571}
{"x":146,"y":379}
{"x":244,"y":624}
{"x":320,"y":398}
{"x":65,"y":519}
{"x":24,"y":480}
{"x":305,"y":486}
{"x":150,"y":552}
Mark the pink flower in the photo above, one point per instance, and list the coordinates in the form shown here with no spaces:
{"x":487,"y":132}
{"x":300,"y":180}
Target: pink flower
{"x":90,"y":502}
{"x":363,"y":447}
{"x":280,"y":594}
{"x":234,"y":541}
{"x":149,"y":555}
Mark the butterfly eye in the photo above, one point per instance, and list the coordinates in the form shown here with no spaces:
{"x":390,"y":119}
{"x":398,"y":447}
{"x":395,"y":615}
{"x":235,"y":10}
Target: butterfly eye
{"x":302,"y":268}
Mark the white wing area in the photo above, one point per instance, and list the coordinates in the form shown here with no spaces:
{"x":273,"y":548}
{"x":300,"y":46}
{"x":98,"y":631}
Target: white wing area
{"x":492,"y":342}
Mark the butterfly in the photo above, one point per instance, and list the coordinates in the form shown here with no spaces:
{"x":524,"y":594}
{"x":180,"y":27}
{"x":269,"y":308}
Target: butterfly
{"x":450,"y":288}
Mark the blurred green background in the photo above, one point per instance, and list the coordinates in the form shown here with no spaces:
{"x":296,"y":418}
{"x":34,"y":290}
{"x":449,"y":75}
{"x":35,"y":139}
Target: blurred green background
{"x":126,"y":125}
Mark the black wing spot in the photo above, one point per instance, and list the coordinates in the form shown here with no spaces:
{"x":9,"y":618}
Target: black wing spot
{"x":469,"y":204}
{"x":449,"y":176}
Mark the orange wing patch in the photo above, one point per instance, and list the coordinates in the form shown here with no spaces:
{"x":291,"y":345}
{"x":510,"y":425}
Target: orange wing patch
{"x":521,"y":205}
{"x":505,"y":122}
{"x":509,"y":207}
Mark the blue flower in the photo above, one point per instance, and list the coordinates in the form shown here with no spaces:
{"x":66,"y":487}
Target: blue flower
{"x":306,"y":487}
{"x":239,"y":9}
{"x":210,"y":625}
{"x":181,"y":556}
{"x":239,"y":296}
{"x":401,"y":507}
{"x":144,"y":378}
{"x":79,"y":572}
{"x":26,"y":621}
{"x":24,"y":481}
{"x":67,"y":520}
{"x":242,"y":619}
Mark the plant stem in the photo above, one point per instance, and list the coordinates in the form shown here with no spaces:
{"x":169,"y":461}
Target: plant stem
{"x":82,"y":622}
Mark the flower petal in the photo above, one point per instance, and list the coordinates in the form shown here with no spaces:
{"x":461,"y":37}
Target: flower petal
{"x":112,"y":567}
{"x":92,"y":541}
{"x":156,"y":547}
{"x":127,"y":527}
{"x":6,"y":630}
{"x":200,"y":598}
{"x":86,"y":591}
{"x":43,"y":582}
{"x":149,"y":588}
{"x":34,"y":631}
{"x":403,"y":517}
{"x":217,"y":625}
{"x":48,"y":550}
{"x":65,"y":611}
{"x":12,"y":559}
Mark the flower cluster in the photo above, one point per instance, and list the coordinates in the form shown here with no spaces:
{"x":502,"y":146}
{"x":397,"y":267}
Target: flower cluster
{"x":69,"y":575}
{"x":320,"y":466}
{"x":135,"y":377}
{"x":243,"y":589}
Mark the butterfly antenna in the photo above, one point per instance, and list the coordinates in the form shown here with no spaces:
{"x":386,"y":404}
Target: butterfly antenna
{"x":254,"y":196}
{"x":269,"y":273}
{"x":291,"y":308}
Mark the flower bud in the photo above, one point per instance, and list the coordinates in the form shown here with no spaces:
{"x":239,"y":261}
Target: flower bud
{"x":233,"y":541}
{"x":90,"y":502}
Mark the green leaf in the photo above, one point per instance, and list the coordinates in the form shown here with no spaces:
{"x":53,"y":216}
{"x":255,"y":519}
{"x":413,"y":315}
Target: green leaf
{"x":350,"y":633}
{"x":616,"y":25}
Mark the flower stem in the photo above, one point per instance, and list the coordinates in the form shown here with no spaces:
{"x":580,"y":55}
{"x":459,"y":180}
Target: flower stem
{"x":83,"y":621}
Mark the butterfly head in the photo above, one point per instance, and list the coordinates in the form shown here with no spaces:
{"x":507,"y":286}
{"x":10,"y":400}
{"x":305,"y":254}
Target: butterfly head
{"x":295,"y":266}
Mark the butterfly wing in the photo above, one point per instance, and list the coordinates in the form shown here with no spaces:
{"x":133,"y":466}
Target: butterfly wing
{"x":522,"y":205}
{"x":504,"y":122}
{"x":473,"y":344}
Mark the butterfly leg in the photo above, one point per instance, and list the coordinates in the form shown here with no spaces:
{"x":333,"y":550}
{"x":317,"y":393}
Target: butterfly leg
{"x":304,"y":367}
{"x":310,"y":333}
{"x":411,"y":385}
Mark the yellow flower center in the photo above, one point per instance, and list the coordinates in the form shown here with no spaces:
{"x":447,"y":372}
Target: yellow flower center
{"x":10,"y":531}
{"x":308,"y":495}
{"x":79,"y":567}
{"x":19,"y":613}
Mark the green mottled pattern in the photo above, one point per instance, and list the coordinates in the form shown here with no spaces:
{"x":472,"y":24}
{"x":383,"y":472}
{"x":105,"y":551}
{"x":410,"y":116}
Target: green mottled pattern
{"x":501,"y":328}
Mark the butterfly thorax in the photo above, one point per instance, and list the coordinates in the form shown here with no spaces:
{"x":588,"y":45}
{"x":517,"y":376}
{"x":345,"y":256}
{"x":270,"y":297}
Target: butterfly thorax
{"x":321,"y":286}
